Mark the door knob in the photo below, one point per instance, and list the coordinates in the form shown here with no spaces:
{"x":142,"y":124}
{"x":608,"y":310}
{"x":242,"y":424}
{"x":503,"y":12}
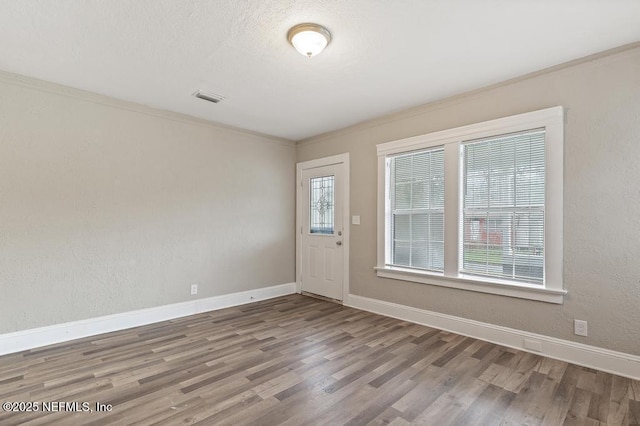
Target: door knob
{"x":338,"y":243}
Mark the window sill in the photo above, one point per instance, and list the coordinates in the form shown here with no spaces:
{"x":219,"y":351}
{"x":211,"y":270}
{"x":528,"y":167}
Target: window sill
{"x":464,"y":282}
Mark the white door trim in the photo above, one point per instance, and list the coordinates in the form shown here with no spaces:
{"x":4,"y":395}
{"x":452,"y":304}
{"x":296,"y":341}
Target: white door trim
{"x":312,"y":164}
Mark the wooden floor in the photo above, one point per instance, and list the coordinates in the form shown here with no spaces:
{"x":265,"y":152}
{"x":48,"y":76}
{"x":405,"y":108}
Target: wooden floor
{"x":297,"y":360}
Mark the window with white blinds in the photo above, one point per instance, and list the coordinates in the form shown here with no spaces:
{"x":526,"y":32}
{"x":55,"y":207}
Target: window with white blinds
{"x":417,"y":199}
{"x":503,"y":206}
{"x":477,"y":207}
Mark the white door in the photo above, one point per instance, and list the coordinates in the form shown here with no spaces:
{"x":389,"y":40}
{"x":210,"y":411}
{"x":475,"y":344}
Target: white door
{"x":322,"y":231}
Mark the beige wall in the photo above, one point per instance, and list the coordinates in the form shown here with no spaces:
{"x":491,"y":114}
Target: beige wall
{"x":601,"y":206}
{"x":108,"y":207}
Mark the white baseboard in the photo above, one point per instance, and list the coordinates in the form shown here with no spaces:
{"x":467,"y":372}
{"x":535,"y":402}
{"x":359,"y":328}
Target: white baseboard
{"x":42,"y":336}
{"x":618,"y":363}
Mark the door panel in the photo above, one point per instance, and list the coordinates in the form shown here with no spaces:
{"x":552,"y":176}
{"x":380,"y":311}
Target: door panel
{"x":328,"y":264}
{"x":314,"y":260}
{"x":322,"y":231}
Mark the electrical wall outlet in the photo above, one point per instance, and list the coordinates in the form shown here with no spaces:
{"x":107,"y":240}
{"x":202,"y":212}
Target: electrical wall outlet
{"x":194,"y":289}
{"x":580,"y":328}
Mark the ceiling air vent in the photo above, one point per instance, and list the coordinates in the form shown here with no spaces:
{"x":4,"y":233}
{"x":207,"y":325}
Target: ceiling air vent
{"x":207,"y":96}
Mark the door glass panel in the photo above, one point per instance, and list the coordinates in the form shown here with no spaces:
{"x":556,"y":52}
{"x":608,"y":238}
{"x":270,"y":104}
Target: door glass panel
{"x":321,"y":204}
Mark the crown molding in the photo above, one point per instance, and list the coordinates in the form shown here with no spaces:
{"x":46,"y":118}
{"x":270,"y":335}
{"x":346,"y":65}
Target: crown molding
{"x":95,"y":98}
{"x":462,"y":97}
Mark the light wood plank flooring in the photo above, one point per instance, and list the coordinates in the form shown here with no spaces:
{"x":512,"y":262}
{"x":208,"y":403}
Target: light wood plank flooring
{"x":296,"y":360}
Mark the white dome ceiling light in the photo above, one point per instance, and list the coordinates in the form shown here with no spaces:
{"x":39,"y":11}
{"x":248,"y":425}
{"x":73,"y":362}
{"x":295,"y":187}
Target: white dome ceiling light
{"x":309,"y":39}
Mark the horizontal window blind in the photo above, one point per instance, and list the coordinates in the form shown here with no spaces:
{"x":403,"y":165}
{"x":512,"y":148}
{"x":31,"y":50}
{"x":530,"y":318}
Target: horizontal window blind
{"x":417,"y":210}
{"x":503,"y":207}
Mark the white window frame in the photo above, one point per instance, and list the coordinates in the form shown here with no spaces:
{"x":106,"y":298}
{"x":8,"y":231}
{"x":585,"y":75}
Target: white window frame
{"x":552,"y":291}
{"x":428,"y":211}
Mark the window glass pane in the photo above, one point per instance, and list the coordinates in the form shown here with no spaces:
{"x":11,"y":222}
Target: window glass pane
{"x":476,"y":181}
{"x":436,"y":227}
{"x":421,"y":170}
{"x":530,"y":172}
{"x":403,"y":195}
{"x":403,"y":169}
{"x":401,"y":253}
{"x":321,"y":205}
{"x":503,"y":207}
{"x":417,"y":203}
{"x":436,"y":255}
{"x":402,"y":227}
{"x":419,"y":255}
{"x":436,"y":183}
{"x":420,"y":227}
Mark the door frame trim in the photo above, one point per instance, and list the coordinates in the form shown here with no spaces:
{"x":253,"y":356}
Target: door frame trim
{"x":346,"y":220}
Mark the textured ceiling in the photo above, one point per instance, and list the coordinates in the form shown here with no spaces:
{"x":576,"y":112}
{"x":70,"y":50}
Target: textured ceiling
{"x":385,"y":55}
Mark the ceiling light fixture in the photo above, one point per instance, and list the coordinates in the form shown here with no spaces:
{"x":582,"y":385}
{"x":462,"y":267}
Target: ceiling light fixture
{"x":309,"y":39}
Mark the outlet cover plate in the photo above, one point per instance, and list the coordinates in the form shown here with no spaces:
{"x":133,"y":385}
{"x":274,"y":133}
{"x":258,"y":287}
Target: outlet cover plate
{"x":194,"y":289}
{"x":580,"y":328}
